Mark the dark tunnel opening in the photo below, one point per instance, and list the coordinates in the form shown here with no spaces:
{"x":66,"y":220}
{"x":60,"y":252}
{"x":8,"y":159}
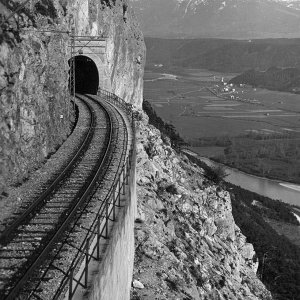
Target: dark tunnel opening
{"x":86,"y":75}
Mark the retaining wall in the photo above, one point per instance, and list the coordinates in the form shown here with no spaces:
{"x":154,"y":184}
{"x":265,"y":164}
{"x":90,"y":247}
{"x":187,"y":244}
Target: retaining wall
{"x":112,"y":280}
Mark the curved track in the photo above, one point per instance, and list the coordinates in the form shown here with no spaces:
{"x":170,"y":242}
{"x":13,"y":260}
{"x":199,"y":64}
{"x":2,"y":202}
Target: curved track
{"x":34,"y":247}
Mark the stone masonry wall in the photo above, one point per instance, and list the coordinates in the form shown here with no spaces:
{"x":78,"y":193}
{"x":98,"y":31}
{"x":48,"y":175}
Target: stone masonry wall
{"x":113,"y":279}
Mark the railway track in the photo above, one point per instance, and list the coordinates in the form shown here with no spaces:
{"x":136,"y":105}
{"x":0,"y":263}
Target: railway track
{"x":38,"y":248}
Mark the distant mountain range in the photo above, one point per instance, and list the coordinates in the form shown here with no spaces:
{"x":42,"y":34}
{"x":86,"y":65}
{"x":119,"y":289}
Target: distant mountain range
{"x":241,"y":19}
{"x":223,"y":55}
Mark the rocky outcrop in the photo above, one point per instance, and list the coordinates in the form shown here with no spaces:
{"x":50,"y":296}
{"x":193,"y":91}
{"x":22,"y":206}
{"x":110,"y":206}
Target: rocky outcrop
{"x":125,"y":50}
{"x":35,"y":110}
{"x":187,"y":244}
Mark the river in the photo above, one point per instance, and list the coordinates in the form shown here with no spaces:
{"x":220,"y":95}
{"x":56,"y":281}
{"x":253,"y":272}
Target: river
{"x":284,"y":191}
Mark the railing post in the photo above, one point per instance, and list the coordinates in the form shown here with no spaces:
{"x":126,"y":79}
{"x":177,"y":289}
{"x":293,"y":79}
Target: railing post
{"x":114,"y":203}
{"x":129,"y":186}
{"x":124,"y":181}
{"x":87,"y":247}
{"x":127,"y":169}
{"x":119,"y":190}
{"x":98,"y":237}
{"x":130,"y":157}
{"x":107,"y":218}
{"x":71,"y":283}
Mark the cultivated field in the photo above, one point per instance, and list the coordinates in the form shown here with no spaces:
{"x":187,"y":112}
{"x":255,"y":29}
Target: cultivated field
{"x":255,"y":130}
{"x":185,"y":101}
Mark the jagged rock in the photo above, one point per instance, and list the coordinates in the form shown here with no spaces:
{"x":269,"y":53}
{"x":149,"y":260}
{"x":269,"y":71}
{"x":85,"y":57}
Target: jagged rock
{"x":186,"y":208}
{"x":225,"y":228}
{"x":209,"y":227}
{"x":155,"y":203}
{"x":248,"y":251}
{"x":137,"y":284}
{"x":140,"y":218}
{"x":193,"y":250}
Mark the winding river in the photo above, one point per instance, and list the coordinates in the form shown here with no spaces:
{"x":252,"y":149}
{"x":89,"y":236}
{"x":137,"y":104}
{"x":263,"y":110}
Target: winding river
{"x":284,"y":191}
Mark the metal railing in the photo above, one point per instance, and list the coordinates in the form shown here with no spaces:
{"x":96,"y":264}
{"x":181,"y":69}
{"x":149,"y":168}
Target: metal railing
{"x":119,"y":102}
{"x":90,"y":248}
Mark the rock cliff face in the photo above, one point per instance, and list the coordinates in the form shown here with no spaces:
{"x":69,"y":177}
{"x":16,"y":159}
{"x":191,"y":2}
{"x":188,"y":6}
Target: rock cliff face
{"x":34,"y":107}
{"x":187,"y":244}
{"x":125,"y":58}
{"x":35,"y":110}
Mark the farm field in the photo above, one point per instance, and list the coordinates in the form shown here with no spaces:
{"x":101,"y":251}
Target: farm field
{"x":254,"y":130}
{"x":184,"y":101}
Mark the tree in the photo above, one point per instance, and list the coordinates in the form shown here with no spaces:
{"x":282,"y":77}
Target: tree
{"x":215,"y":173}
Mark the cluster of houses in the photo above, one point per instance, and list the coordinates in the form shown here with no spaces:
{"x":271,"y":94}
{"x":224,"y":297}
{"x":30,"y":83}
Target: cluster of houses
{"x":229,"y":91}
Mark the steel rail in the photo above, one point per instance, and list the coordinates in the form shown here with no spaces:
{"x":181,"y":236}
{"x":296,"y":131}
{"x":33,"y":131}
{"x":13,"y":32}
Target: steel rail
{"x":57,"y":235}
{"x":104,"y":214}
{"x":8,"y":232}
{"x":102,"y":211}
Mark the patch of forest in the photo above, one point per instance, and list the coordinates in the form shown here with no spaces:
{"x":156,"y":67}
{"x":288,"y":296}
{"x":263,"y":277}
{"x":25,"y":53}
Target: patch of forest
{"x":272,"y":157}
{"x":168,"y":131}
{"x":279,"y":258}
{"x":279,"y":79}
{"x":275,"y":156}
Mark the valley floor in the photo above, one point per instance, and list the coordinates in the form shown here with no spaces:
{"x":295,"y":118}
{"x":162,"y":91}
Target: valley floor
{"x":251,"y":129}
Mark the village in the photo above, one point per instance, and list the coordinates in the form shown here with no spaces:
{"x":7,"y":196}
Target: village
{"x":230,"y":91}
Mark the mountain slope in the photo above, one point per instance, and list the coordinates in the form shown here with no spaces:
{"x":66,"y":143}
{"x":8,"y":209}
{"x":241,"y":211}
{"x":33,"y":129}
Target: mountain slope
{"x":188,"y":246}
{"x":219,"y":18}
{"x":274,"y":78}
{"x":224,"y":55}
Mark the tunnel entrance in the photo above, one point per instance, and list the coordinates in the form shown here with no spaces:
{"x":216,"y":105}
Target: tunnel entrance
{"x":86,"y":75}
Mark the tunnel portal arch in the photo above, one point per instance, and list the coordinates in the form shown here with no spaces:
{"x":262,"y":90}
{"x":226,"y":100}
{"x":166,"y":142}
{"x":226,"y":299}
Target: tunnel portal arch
{"x":86,"y":75}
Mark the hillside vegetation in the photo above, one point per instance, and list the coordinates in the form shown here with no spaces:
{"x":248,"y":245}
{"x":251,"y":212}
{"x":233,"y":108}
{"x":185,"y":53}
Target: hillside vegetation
{"x":224,"y":55}
{"x":167,"y":130}
{"x":279,"y":258}
{"x":275,"y":157}
{"x":287,"y":79}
